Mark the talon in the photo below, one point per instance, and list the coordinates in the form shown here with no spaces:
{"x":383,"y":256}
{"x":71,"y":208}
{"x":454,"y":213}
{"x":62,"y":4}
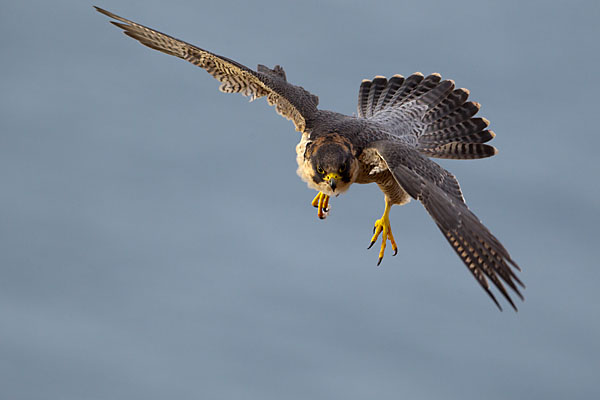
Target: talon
{"x":371,"y":245}
{"x":321,"y":202}
{"x":383,"y":227}
{"x":315,"y":202}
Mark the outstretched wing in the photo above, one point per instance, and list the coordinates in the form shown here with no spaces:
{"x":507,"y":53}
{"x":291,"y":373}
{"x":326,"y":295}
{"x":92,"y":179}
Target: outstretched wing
{"x":290,"y":101}
{"x":427,"y":113}
{"x":433,"y":186}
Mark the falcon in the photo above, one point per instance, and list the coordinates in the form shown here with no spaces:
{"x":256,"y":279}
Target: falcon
{"x":401,"y":123}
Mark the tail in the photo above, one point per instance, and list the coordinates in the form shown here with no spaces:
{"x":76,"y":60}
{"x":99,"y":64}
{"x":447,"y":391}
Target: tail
{"x":450,"y":130}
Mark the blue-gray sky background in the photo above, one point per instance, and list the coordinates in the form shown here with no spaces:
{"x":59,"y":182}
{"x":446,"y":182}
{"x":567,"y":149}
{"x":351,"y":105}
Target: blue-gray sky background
{"x":155,"y":241}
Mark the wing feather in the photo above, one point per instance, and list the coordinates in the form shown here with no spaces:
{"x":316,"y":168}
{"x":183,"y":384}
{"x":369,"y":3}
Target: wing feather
{"x":427,"y":182}
{"x":290,"y":101}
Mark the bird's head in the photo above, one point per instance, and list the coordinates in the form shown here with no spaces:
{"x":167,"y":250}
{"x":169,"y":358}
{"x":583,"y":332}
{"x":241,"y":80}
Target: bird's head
{"x":334,"y":167}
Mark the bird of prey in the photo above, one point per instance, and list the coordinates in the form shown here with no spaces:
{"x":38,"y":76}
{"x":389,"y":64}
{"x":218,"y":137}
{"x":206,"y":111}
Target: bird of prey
{"x":400,"y":123}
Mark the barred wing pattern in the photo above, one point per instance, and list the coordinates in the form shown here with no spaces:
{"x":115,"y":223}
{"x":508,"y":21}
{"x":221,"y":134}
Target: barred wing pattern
{"x":290,"y":101}
{"x":435,"y":188}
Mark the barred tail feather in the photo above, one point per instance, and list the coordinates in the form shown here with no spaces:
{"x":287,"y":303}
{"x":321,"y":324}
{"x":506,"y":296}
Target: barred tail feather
{"x":460,"y":151}
{"x":394,"y":83}
{"x":425,"y":86}
{"x":461,"y":113}
{"x":450,"y":130}
{"x":377,"y":85}
{"x":435,"y":133}
{"x":451,"y":103}
{"x":363,"y":97}
{"x":447,"y":126}
{"x":406,"y":89}
{"x":434,"y":96}
{"x":380,"y":93}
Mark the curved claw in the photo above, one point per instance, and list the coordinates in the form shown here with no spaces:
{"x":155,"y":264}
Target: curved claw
{"x":383,"y":227}
{"x":321,"y":202}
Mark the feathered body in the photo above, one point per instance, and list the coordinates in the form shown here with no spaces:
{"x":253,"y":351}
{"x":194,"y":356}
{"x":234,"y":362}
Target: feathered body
{"x":400,"y":123}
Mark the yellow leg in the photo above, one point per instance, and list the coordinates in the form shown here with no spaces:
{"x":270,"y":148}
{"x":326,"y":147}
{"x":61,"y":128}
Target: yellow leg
{"x":321,"y":202}
{"x":383,"y":225}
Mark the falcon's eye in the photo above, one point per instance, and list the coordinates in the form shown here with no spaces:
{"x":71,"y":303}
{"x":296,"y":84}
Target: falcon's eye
{"x":343,"y":167}
{"x":320,"y":170}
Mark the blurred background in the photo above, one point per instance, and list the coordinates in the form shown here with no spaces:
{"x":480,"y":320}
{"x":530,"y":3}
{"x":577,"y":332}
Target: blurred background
{"x":155,"y":241}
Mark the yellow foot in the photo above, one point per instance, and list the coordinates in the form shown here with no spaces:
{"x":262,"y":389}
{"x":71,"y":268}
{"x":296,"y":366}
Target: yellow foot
{"x":383,"y":226}
{"x":321,"y":202}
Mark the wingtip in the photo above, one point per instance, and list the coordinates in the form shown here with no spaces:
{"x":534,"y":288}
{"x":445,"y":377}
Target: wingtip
{"x":512,"y":304}
{"x":497,"y":303}
{"x":514,"y":264}
{"x":118,"y":24}
{"x":111,"y":15}
{"x":102,"y":10}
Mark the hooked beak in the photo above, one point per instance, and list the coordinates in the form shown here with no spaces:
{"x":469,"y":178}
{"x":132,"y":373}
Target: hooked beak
{"x":333,"y":184}
{"x":332,"y":179}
